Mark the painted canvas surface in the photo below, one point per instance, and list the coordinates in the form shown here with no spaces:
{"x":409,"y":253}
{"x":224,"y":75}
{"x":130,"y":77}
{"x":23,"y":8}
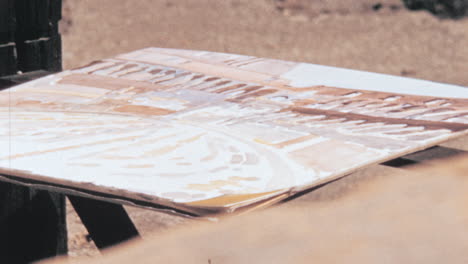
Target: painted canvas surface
{"x":205,"y":132}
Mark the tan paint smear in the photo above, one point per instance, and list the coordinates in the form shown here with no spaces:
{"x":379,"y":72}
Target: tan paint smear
{"x":143,"y":110}
{"x":330,"y":114}
{"x":61,"y":92}
{"x":34,"y":153}
{"x":228,"y":200}
{"x":105,"y":82}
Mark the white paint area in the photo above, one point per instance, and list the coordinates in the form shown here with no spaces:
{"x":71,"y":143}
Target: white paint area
{"x":306,"y":75}
{"x":148,"y":156}
{"x":215,"y":143}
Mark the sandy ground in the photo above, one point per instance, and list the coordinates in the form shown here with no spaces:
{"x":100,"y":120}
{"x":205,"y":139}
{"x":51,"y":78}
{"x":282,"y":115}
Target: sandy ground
{"x":390,"y":40}
{"x":379,"y":36}
{"x":390,"y":216}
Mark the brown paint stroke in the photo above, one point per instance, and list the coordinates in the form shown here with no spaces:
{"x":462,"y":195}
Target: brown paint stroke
{"x":231,"y":87}
{"x":155,"y":71}
{"x":367,"y":95}
{"x":257,"y":93}
{"x":104,"y":67}
{"x":143,"y":110}
{"x":330,"y":114}
{"x":123,"y":68}
{"x":110,"y":83}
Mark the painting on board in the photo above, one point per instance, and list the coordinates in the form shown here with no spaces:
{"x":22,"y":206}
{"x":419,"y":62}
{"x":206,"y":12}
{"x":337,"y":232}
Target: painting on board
{"x":204,"y":132}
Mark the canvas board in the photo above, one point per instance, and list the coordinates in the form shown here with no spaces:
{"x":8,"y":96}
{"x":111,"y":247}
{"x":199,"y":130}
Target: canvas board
{"x":203,"y":132}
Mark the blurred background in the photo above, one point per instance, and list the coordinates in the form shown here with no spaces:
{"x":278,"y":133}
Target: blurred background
{"x":374,"y":35}
{"x":429,"y":41}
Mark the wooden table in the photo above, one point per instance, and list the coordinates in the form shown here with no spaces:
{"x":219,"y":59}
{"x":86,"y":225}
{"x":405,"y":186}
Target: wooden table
{"x":200,"y":133}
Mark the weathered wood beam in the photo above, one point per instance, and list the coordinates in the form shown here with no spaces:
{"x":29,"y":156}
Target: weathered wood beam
{"x":43,"y":53}
{"x":37,"y":37}
{"x":32,"y":224}
{"x":8,"y":65}
{"x":437,"y":152}
{"x":108,"y":224}
{"x":7,"y":38}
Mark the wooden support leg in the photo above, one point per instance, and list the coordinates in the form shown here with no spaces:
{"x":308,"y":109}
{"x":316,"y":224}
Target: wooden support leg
{"x":107,"y":223}
{"x":437,"y":152}
{"x":32,"y":224}
{"x":399,"y":162}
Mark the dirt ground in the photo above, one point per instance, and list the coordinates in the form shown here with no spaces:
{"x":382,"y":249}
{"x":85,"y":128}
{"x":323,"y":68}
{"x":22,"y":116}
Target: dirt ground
{"x":379,"y":36}
{"x":385,"y":216}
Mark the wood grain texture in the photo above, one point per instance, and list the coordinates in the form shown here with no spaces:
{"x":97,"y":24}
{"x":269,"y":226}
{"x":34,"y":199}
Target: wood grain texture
{"x":38,"y":54}
{"x":8,"y":58}
{"x":7,"y":21}
{"x":108,"y":224}
{"x":208,"y":132}
{"x":32,"y":224}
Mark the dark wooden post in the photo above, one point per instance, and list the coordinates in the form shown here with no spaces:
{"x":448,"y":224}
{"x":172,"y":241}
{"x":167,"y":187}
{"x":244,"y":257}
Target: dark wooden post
{"x":7,"y":38}
{"x":32,"y":222}
{"x":37,"y":38}
{"x":107,"y":223}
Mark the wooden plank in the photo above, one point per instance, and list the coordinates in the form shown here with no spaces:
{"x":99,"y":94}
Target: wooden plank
{"x":52,"y":54}
{"x":433,"y":153}
{"x":7,"y":37}
{"x":205,"y":132}
{"x":8,"y":59}
{"x":32,"y":224}
{"x":7,"y":21}
{"x":400,"y":162}
{"x":7,"y":45}
{"x":55,"y":10}
{"x":32,"y":18}
{"x":43,"y":53}
{"x":29,"y":55}
{"x":107,"y":223}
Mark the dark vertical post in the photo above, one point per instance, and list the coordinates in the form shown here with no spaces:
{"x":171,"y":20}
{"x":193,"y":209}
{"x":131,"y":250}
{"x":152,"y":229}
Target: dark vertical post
{"x":7,"y":41}
{"x":32,"y":222}
{"x":37,"y":38}
{"x":107,"y":223}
